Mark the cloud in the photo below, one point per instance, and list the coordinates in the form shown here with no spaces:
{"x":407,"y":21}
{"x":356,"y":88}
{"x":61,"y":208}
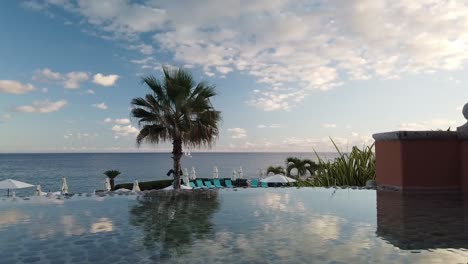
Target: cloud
{"x":101,"y":106}
{"x":118,"y":121}
{"x":142,"y":48}
{"x":432,"y":124}
{"x":69,"y":80}
{"x":237,"y":132}
{"x":73,"y":79}
{"x":44,"y":90}
{"x":14,"y":87}
{"x":89,"y":91}
{"x":329,"y":125}
{"x":41,"y":107}
{"x":294,"y":45}
{"x":46,"y":75}
{"x":123,"y":131}
{"x":268,"y":126}
{"x":4,"y":118}
{"x":105,"y":80}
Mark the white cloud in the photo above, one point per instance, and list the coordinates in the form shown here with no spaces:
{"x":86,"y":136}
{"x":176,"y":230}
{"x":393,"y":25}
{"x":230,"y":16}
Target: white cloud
{"x":142,"y":48}
{"x":44,"y":90}
{"x":122,"y":121}
{"x":123,"y":131}
{"x":329,"y":125}
{"x":101,"y":106}
{"x":89,"y":91}
{"x":118,"y":121}
{"x":269,"y":126}
{"x":69,"y":80}
{"x":105,"y":80}
{"x":295,"y":45}
{"x":73,"y":79}
{"x":14,"y":87}
{"x":4,"y":118}
{"x":46,"y":74}
{"x":41,"y":107}
{"x":237,"y":132}
{"x":432,"y":124}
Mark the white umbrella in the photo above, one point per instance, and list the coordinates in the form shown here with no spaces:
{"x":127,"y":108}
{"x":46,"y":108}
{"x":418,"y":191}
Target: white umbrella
{"x":234,"y":175}
{"x":193,"y":174}
{"x":64,"y":189}
{"x":241,"y":173}
{"x":13,"y":184}
{"x":136,"y":187}
{"x":215,"y":173}
{"x":107,"y":185}
{"x":278,"y":178}
{"x":183,"y":187}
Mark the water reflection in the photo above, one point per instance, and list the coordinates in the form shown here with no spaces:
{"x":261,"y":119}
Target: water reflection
{"x":172,"y":221}
{"x":422,"y":221}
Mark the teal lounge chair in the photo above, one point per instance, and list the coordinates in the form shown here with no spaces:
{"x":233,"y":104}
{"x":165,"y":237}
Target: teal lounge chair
{"x":217,"y":183}
{"x":192,"y":184}
{"x":200,"y":184}
{"x":254,"y":183}
{"x":209,"y":185}
{"x":264,"y":184}
{"x":228,"y":184}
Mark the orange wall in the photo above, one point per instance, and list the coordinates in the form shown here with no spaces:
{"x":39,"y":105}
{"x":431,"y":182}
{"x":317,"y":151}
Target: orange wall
{"x":388,"y":163}
{"x":430,"y":163}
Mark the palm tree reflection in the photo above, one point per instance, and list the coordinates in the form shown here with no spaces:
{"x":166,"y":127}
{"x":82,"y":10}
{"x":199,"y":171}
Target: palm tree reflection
{"x":172,"y":221}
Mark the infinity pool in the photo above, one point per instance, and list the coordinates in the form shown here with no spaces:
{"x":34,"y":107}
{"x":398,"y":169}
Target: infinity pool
{"x":284,"y":225}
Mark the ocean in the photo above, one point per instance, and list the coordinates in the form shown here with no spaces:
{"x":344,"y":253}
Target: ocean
{"x":84,"y":171}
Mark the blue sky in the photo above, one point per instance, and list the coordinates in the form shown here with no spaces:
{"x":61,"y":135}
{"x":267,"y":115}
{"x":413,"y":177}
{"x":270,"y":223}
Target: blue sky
{"x":289,"y":73}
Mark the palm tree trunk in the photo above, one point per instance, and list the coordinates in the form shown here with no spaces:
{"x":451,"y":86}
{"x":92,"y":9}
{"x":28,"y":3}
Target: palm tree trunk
{"x":176,"y":156}
{"x":111,"y":181}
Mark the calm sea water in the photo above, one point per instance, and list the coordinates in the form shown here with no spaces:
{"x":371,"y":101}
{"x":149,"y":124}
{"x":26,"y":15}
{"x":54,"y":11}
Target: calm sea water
{"x":84,"y":171}
{"x":274,"y":225}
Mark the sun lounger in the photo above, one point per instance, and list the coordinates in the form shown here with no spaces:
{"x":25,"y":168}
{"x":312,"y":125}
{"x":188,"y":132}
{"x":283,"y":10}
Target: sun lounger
{"x":192,"y":184}
{"x":264,"y":184}
{"x":209,"y":185}
{"x":200,"y":184}
{"x":228,"y":183}
{"x":217,"y":183}
{"x":254,"y":183}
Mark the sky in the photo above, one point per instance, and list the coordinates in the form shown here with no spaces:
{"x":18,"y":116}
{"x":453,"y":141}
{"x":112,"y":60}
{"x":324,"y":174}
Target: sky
{"x":290,"y":74}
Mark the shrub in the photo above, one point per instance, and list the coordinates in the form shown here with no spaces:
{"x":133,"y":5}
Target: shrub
{"x":352,"y":169}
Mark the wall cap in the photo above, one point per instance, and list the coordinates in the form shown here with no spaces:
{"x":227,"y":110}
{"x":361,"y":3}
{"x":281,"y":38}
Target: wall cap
{"x":415,"y":135}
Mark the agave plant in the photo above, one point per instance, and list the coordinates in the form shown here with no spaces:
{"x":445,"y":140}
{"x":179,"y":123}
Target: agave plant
{"x":352,"y":169}
{"x":276,"y":170}
{"x":111,"y":174}
{"x":301,"y":165}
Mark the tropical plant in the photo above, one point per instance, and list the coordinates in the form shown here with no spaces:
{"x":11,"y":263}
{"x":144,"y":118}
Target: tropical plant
{"x":276,"y":170}
{"x":301,"y":165}
{"x":351,"y":169}
{"x":111,"y":174}
{"x":177,"y":110}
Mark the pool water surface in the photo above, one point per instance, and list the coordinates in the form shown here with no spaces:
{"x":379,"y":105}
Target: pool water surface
{"x":274,"y":225}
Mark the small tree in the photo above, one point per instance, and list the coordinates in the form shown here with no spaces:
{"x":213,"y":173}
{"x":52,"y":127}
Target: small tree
{"x":111,"y":174}
{"x":276,"y":170}
{"x":301,"y":165}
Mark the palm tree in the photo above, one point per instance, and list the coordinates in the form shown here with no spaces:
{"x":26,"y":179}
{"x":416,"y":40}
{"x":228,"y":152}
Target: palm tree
{"x":302,"y":165}
{"x":177,"y":110}
{"x":276,"y":170}
{"x":111,"y":174}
